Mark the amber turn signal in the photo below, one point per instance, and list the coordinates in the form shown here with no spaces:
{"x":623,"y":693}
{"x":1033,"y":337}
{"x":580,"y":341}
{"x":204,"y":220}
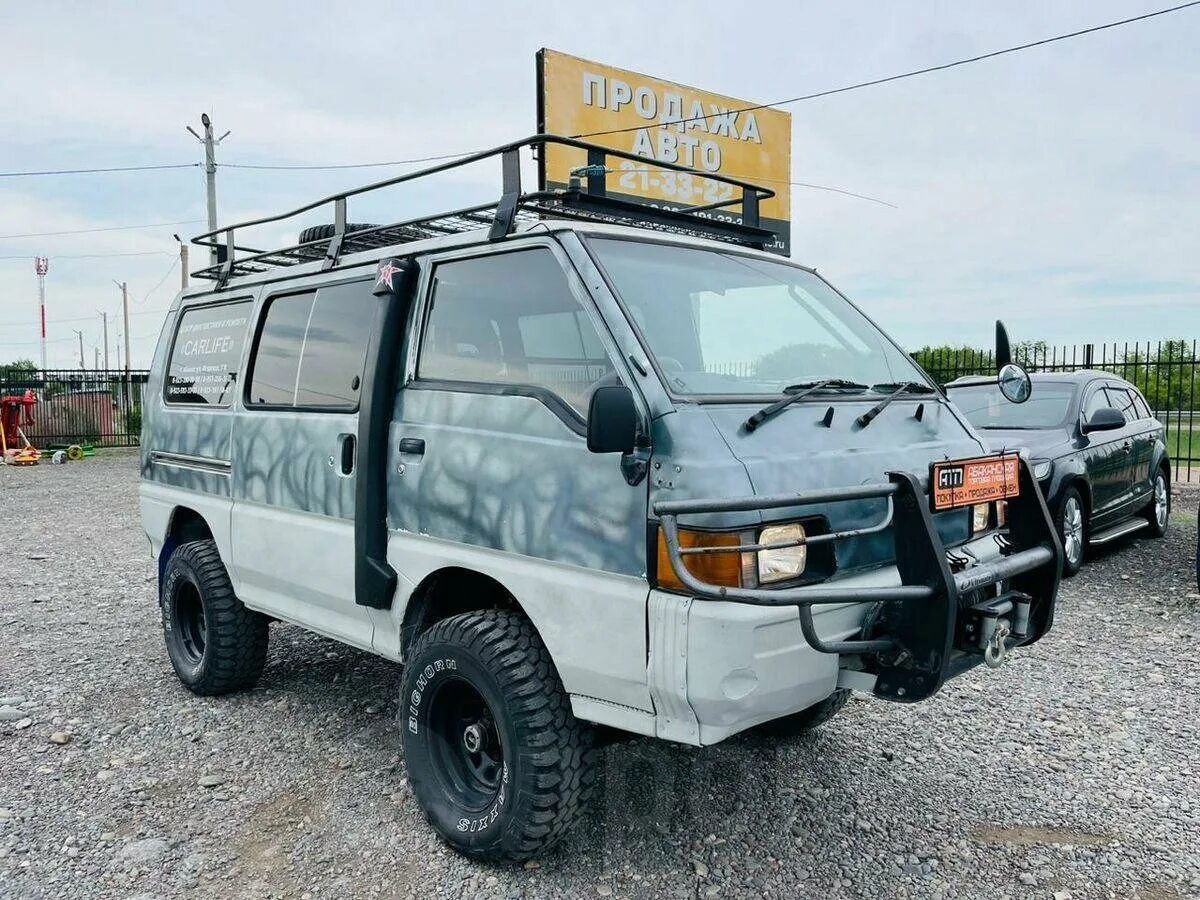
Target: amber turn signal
{"x":722,"y":569}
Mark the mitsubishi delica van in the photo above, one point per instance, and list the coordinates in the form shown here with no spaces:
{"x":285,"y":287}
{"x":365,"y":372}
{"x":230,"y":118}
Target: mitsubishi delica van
{"x":583,"y":466}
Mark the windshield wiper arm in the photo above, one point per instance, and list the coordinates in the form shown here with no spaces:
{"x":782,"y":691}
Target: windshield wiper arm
{"x":905,"y":387}
{"x":796,"y":392}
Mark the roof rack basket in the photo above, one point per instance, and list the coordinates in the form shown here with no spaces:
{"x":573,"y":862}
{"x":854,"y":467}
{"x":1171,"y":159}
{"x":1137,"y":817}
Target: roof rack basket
{"x":586,"y":197}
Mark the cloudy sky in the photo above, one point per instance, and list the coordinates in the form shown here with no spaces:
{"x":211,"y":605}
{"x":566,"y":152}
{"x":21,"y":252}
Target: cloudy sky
{"x":1058,"y":188}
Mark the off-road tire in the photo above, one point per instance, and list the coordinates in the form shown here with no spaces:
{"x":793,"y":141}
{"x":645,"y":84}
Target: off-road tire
{"x":232,"y":649}
{"x":547,"y":775}
{"x":1071,"y":496}
{"x":1151,"y":512}
{"x":324,"y":232}
{"x":807,"y":719}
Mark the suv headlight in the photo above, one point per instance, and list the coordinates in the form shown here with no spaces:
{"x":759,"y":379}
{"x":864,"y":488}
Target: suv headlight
{"x":1041,"y":469}
{"x":782,"y":563}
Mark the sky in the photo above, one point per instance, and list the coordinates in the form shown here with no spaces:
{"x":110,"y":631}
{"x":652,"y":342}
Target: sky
{"x":1057,"y":188}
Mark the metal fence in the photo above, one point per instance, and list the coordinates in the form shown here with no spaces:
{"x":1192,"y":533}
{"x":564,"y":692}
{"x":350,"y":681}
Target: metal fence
{"x":80,"y":406}
{"x":1166,"y":372}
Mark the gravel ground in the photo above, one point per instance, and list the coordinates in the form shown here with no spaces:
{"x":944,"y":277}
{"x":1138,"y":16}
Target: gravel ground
{"x":1071,"y":773}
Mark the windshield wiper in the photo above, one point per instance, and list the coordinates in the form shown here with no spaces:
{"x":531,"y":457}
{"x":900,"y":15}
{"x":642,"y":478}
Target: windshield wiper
{"x":904,"y":387}
{"x":797,"y":392}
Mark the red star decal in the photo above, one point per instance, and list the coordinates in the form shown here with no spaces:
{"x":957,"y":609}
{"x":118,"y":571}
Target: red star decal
{"x":385,"y":274}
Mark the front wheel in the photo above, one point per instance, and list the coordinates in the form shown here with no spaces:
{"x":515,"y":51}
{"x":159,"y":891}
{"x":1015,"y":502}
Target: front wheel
{"x":1158,"y":513}
{"x":496,"y":759}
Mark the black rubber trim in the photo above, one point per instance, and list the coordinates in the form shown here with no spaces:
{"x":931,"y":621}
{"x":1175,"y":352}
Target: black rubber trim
{"x":374,"y":579}
{"x":551,"y":400}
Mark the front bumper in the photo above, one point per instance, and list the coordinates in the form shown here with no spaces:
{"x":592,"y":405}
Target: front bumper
{"x":940,"y":619}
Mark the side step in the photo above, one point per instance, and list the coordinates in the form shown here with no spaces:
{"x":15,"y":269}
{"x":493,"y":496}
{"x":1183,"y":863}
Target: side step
{"x":1118,"y":531}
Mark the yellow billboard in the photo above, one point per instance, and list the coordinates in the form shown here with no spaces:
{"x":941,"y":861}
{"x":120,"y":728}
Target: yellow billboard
{"x":664,"y":122}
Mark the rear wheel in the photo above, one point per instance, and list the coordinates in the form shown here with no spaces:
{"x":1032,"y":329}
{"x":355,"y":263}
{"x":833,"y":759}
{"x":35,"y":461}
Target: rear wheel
{"x":496,"y":759}
{"x":1072,"y":531}
{"x":807,"y":719}
{"x":1159,"y":510}
{"x":215,"y":644}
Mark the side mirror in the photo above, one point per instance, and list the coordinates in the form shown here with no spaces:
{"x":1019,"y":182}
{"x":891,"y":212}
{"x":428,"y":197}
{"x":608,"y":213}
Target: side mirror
{"x":1015,"y":383}
{"x":1106,"y":419}
{"x":612,"y":422}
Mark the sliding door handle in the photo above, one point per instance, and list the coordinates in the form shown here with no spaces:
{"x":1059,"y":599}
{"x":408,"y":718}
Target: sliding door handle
{"x":415,"y":446}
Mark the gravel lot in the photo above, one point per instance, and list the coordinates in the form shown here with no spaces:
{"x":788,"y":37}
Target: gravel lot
{"x":1071,"y":773}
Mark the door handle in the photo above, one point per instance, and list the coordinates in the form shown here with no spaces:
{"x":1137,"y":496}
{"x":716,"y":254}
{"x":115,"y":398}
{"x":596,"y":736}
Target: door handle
{"x":415,"y":446}
{"x":347,"y":453}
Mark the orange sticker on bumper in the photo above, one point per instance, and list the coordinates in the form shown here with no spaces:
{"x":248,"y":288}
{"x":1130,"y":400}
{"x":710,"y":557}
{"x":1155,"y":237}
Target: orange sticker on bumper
{"x":965,"y":482}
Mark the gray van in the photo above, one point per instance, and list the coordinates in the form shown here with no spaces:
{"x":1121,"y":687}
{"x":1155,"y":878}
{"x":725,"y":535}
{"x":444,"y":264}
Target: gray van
{"x":585,"y":467}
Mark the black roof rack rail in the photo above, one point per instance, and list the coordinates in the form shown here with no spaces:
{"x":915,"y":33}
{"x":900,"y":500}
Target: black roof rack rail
{"x":586,"y":197}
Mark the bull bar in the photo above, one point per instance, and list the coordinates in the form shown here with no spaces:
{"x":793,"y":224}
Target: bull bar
{"x":921,"y":632}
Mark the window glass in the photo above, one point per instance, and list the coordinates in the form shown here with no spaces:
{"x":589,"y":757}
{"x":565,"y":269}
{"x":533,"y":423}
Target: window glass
{"x":1097,"y":400}
{"x":985,"y":407}
{"x":512,"y":319}
{"x":203,"y":367}
{"x":1119,"y":398}
{"x":335,"y":346}
{"x":277,"y":357}
{"x":723,"y":323}
{"x":1140,"y":405}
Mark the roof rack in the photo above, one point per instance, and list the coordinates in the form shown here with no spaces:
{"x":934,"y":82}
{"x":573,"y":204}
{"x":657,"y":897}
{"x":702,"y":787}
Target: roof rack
{"x":586,"y":197}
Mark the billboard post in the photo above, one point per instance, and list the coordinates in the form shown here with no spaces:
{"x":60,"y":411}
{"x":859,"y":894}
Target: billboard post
{"x":41,"y":265}
{"x":664,"y":122}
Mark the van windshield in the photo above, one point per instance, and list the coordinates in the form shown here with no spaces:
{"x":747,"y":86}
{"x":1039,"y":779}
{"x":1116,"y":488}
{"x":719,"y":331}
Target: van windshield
{"x":725,"y":324}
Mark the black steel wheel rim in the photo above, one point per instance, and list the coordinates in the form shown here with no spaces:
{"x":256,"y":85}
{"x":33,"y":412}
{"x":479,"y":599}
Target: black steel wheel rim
{"x":191,"y":630}
{"x":465,"y":745}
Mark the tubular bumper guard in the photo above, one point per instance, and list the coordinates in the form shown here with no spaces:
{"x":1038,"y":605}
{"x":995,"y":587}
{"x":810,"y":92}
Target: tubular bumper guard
{"x":921,"y":633}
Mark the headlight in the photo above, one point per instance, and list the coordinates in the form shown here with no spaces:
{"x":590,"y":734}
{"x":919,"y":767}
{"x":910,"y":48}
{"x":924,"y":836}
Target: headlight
{"x":981,"y":514}
{"x":783,"y":563}
{"x":1041,"y":469}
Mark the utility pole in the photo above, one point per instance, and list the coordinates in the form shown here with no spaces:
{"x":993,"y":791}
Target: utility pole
{"x":82,"y":361}
{"x":41,"y":265}
{"x":96,"y":355}
{"x":210,"y":170}
{"x":125,"y":311}
{"x":104,"y":316}
{"x":183,"y":262}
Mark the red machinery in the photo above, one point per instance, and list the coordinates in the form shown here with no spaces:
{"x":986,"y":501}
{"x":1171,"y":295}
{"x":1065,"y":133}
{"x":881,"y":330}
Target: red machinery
{"x":16,"y":413}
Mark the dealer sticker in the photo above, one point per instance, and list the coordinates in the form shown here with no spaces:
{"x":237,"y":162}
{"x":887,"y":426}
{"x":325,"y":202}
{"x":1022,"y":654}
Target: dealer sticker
{"x":965,"y":482}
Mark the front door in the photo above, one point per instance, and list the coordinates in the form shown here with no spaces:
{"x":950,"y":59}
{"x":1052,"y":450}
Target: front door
{"x":1107,"y":460}
{"x":490,"y":470}
{"x":295,"y":459}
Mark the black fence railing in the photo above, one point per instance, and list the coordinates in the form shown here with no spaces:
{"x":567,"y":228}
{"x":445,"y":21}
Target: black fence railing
{"x":80,"y":406}
{"x":1166,"y":372}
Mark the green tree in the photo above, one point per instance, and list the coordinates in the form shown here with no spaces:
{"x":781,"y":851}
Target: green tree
{"x":946,"y":362}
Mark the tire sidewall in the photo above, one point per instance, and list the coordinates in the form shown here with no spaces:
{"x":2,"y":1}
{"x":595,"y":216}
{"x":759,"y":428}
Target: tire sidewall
{"x":180,"y":572}
{"x":471,"y":831}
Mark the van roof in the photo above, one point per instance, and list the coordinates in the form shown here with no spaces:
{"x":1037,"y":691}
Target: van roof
{"x":584,"y":202}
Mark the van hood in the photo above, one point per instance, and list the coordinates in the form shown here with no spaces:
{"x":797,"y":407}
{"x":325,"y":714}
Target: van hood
{"x":796,"y":451}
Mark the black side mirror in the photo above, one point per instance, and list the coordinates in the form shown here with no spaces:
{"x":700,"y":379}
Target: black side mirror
{"x":1106,"y":419}
{"x":612,"y":422}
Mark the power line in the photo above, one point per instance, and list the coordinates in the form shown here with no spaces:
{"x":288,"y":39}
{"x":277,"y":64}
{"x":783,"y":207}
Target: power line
{"x":8,"y":237}
{"x":166,"y":275}
{"x":143,"y":312}
{"x":913,"y":73}
{"x":826,"y":93}
{"x":94,"y":171}
{"x":25,"y":256}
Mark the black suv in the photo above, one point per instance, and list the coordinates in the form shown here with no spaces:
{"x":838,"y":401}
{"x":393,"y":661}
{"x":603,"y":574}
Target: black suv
{"x":1094,"y":446}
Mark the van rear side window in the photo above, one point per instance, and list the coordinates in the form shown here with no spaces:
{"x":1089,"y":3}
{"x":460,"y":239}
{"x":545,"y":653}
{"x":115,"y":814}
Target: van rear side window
{"x":311,"y":348}
{"x":203,"y":367}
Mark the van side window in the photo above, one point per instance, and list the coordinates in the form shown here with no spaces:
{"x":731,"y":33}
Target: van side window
{"x":277,"y":356}
{"x":311,"y":348}
{"x":203,"y":367}
{"x":511,"y":319}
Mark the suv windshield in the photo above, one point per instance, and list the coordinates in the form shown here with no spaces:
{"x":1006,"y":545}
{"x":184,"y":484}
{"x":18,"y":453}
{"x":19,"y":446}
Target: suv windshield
{"x":722,"y":323}
{"x":985,"y":407}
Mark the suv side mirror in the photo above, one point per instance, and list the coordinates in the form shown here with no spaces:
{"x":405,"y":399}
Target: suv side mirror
{"x":1106,"y":419}
{"x":612,"y":422}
